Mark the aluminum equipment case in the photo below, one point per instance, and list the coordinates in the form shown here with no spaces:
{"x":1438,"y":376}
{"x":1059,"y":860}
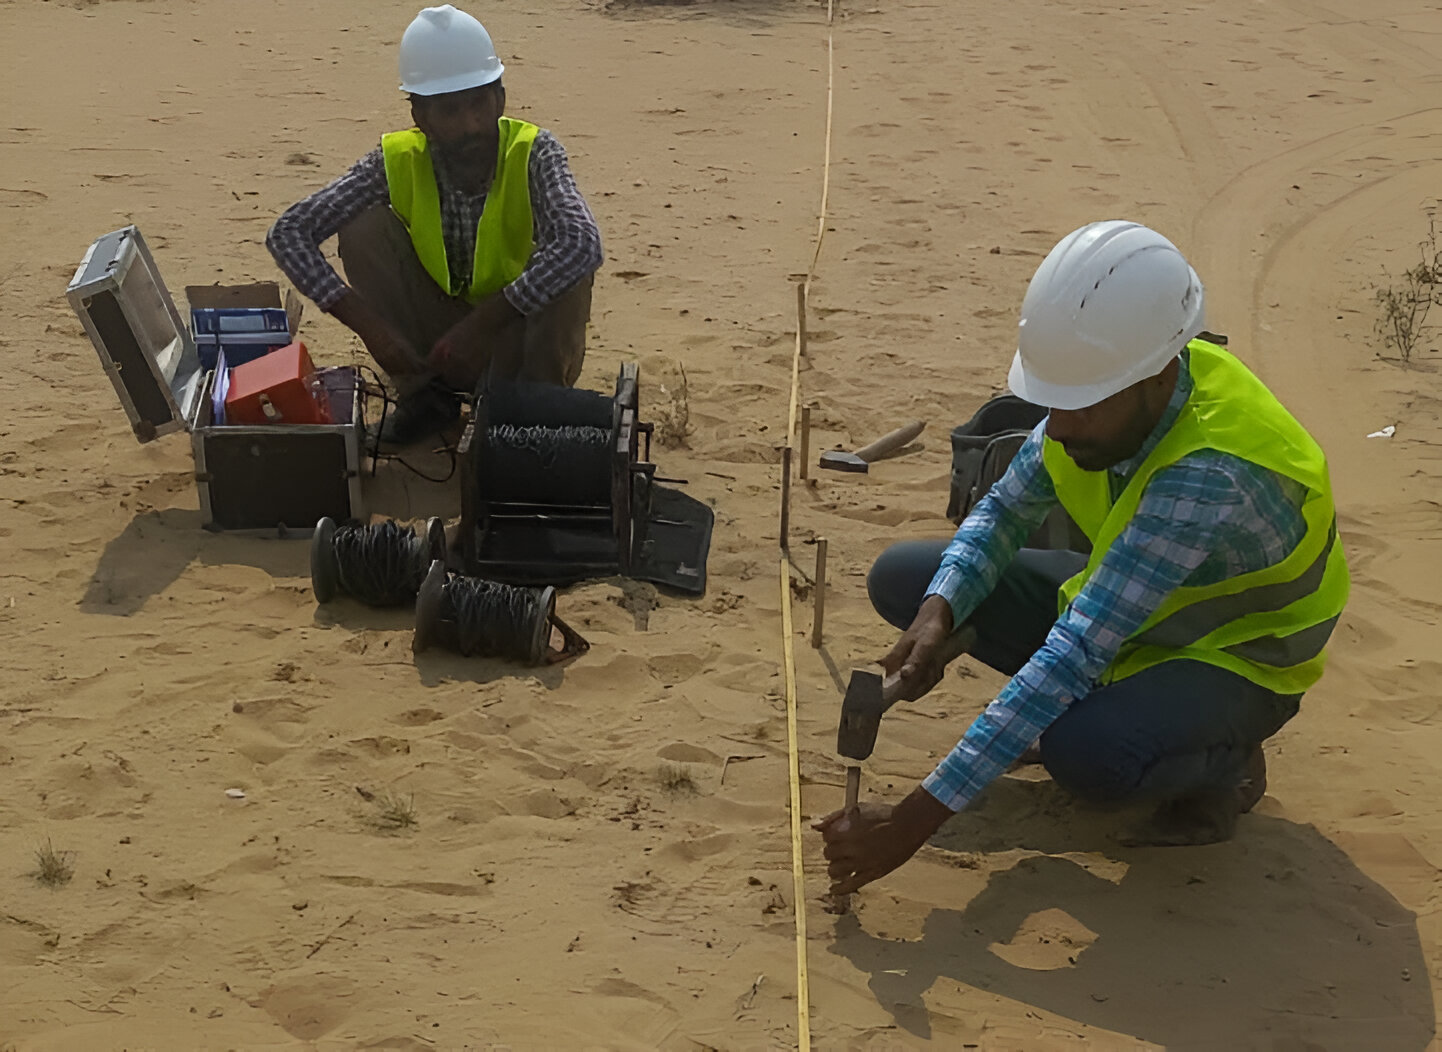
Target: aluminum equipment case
{"x":248,"y":477}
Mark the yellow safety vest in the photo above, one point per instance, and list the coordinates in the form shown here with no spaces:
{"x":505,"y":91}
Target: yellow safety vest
{"x":1270,"y":625}
{"x":503,"y":234}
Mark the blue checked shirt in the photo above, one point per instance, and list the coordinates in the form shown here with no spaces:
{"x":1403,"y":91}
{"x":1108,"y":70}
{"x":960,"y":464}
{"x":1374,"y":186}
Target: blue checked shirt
{"x":1206,"y":518}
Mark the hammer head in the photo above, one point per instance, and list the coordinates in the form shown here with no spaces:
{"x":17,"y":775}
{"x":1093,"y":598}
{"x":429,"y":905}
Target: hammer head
{"x":839,"y":460}
{"x":861,"y":712}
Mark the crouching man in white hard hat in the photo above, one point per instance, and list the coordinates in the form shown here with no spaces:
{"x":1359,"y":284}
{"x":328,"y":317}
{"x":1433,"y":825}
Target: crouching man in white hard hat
{"x":468,"y":248}
{"x":1189,"y":634}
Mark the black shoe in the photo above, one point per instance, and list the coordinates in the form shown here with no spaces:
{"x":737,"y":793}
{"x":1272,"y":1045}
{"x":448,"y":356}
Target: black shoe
{"x":420,"y":415}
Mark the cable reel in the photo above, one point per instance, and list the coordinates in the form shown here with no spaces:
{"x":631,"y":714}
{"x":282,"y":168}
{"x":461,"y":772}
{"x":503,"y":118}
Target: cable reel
{"x":472,"y":616}
{"x":381,"y":564}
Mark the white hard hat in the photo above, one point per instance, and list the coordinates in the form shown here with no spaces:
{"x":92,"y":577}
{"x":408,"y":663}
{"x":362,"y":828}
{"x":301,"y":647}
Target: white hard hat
{"x":1111,"y":304}
{"x":446,"y":50}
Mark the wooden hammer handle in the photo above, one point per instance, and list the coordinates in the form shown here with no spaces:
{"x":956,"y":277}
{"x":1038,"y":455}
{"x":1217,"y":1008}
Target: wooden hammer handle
{"x":959,"y":642}
{"x":853,"y":787}
{"x":902,"y":436}
{"x":842,"y":903}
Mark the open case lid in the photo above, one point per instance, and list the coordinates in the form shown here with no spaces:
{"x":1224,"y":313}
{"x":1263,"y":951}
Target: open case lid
{"x":250,"y":295}
{"x":145,"y":346}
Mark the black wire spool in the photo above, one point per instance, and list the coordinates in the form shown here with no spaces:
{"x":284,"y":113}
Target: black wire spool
{"x":542,"y":464}
{"x":526,"y":403}
{"x":380,"y":565}
{"x":475,"y":617}
{"x":549,"y":487}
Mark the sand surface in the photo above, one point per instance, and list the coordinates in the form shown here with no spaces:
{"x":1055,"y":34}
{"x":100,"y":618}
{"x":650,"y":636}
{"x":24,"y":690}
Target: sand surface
{"x":554,"y":892}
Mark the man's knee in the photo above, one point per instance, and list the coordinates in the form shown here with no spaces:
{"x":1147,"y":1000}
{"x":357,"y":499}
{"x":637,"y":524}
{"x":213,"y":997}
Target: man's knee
{"x":1090,"y":762}
{"x":555,"y":337}
{"x":574,"y":317}
{"x":898,"y":579}
{"x":375,"y":233}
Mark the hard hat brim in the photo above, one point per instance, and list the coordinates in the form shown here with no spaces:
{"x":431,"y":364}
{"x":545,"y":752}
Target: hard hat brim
{"x":1053,"y":396}
{"x":1083,"y":396}
{"x":451,"y":85}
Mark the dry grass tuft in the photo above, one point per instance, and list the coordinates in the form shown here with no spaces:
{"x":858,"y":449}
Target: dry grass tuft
{"x":395,"y":812}
{"x":53,"y":868}
{"x":676,"y":778}
{"x":673,"y":418}
{"x":1404,"y":303}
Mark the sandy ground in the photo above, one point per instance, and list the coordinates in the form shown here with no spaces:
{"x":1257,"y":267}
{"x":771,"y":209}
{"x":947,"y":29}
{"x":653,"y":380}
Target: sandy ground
{"x":554,"y":891}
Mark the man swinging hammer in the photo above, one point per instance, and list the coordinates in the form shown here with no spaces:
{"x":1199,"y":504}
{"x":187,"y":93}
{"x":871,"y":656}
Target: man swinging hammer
{"x":1153,"y":670}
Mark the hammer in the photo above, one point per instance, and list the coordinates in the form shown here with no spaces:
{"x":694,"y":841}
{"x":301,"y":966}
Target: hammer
{"x":839,"y":460}
{"x":868,"y":697}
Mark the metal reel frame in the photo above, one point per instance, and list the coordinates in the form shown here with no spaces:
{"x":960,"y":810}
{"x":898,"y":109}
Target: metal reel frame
{"x":478,"y":511}
{"x":324,"y":571}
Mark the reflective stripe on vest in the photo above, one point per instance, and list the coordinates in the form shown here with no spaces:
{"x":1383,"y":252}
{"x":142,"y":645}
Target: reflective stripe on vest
{"x":1270,"y":625}
{"x":506,"y":227}
{"x":1205,"y":616}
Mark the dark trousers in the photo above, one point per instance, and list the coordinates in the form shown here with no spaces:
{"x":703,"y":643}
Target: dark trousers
{"x":382,"y":266}
{"x":1176,"y":728}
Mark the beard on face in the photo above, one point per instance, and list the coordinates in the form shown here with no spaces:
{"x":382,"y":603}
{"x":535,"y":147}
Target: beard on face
{"x":1088,"y":458}
{"x":462,"y":153}
{"x":1098,"y":456}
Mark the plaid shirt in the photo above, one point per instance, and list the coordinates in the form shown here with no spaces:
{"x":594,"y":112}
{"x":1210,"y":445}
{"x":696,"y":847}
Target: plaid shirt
{"x":568,"y":244}
{"x":1206,"y":518}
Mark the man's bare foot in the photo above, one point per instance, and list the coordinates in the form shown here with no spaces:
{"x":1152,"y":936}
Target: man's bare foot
{"x":1205,"y":818}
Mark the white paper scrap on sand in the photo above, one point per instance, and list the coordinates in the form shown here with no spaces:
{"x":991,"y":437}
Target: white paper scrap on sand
{"x":1386,"y":432}
{"x":235,"y":794}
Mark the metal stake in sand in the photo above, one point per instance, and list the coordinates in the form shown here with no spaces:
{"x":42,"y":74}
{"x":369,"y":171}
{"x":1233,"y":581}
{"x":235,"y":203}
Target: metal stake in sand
{"x":802,"y":470}
{"x":819,"y":592}
{"x":786,"y":498}
{"x":801,"y":317}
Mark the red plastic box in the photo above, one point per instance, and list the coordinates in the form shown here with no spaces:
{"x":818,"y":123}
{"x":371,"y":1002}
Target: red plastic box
{"x":278,"y":388}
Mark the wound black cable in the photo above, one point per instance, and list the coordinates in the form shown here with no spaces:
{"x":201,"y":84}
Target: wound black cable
{"x":493,"y":619}
{"x":546,"y":465}
{"x":382,"y":564}
{"x":526,"y":403}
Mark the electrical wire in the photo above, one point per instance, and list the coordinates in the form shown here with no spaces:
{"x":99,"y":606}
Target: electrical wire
{"x":493,"y":619}
{"x":378,"y":389}
{"x":546,"y":465}
{"x":382,"y":564}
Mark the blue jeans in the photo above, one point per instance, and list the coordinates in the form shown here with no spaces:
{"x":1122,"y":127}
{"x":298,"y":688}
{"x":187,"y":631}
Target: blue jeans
{"x":1177,"y":728}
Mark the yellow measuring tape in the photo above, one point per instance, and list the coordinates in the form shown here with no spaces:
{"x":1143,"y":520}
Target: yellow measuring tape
{"x":798,"y":869}
{"x":798,"y":874}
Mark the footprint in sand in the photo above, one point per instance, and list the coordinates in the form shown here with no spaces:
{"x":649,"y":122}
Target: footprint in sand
{"x":887,"y":515}
{"x":261,"y":751}
{"x":310,"y":1006}
{"x":684,"y":752}
{"x":78,"y":788}
{"x":545,"y":803}
{"x":1046,"y":941}
{"x":671,"y":669}
{"x":697,"y":848}
{"x":418,"y":717}
{"x":382,"y":745}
